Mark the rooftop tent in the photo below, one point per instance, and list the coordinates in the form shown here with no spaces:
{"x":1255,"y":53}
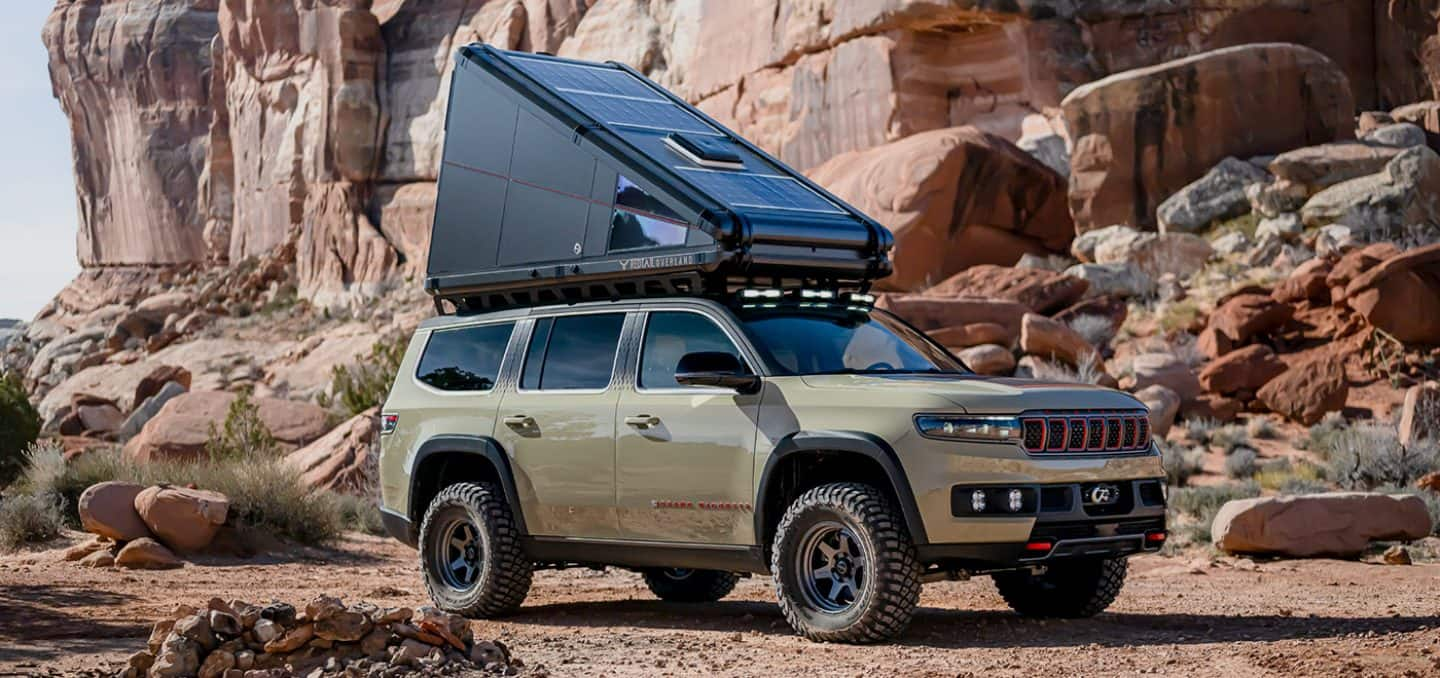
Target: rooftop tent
{"x":564,"y":180}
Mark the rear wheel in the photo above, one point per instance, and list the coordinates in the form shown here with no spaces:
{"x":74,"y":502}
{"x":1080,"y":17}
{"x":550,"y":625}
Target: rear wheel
{"x":470,"y":552}
{"x":1069,"y":589}
{"x":684,"y":585}
{"x":844,"y":567}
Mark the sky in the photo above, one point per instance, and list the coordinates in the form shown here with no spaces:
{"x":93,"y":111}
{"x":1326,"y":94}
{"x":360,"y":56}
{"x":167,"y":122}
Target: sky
{"x":37,"y":181}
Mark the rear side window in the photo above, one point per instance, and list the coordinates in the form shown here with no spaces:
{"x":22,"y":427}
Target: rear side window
{"x":579,"y":352}
{"x":467,"y":359}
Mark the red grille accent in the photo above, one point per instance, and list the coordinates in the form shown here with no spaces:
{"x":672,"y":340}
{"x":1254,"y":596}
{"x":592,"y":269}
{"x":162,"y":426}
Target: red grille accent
{"x":1081,"y":432}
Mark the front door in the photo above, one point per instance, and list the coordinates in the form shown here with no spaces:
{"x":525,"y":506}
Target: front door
{"x":559,"y":425}
{"x":684,"y":455}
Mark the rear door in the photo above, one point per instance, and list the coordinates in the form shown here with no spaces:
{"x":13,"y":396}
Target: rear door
{"x":559,"y":425}
{"x":684,"y":454}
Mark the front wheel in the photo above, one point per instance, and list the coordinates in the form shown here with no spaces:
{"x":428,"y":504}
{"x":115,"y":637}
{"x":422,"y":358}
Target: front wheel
{"x":844,"y":567}
{"x":684,"y":585}
{"x":1068,"y":589}
{"x":470,"y":552}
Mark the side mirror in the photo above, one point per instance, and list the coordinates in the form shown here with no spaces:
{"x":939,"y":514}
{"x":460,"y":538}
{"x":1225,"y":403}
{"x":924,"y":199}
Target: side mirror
{"x":715,"y":368}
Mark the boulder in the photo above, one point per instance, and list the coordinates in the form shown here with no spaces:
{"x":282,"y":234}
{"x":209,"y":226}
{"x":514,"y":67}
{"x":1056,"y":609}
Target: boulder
{"x":1339,"y":524}
{"x":1420,"y":415}
{"x":1122,"y":280}
{"x":1179,"y":254}
{"x":1213,"y":343}
{"x":1247,"y":315}
{"x":1046,"y":338}
{"x":146,"y":554}
{"x":182,"y":426}
{"x":989,"y":359}
{"x":1141,"y":135}
{"x":341,"y":460}
{"x":1306,"y":392}
{"x":1217,"y":196}
{"x":108,"y":509}
{"x":156,"y":380}
{"x":1401,"y":295}
{"x":1108,"y":306}
{"x":1357,"y":261}
{"x":1276,"y":197}
{"x":1398,"y":134}
{"x":1306,"y":283}
{"x":1234,"y":242}
{"x":1285,"y":226}
{"x":99,"y":418}
{"x":1166,"y":370}
{"x":1405,"y":193}
{"x":1320,"y":167}
{"x":928,"y":313}
{"x":185,"y":520}
{"x":954,"y":198}
{"x":147,"y":409}
{"x":973,"y":334}
{"x":1162,"y":404}
{"x":1213,"y":407}
{"x":1042,"y":291}
{"x":1084,"y":245}
{"x":1244,"y":369}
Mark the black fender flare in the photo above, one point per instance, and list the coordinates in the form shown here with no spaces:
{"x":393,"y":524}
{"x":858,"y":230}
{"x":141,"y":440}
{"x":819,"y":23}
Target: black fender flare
{"x":479,"y":446}
{"x":857,"y":442}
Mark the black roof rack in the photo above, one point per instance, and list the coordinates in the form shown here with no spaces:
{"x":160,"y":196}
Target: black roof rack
{"x":565,"y":180}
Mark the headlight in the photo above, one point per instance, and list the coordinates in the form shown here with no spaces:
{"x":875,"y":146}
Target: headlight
{"x":983,"y":429}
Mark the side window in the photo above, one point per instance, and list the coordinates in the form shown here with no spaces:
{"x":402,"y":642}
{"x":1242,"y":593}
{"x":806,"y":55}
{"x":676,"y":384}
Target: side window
{"x":639,"y":221}
{"x":467,"y":359}
{"x":669,"y":335}
{"x":580,"y":352}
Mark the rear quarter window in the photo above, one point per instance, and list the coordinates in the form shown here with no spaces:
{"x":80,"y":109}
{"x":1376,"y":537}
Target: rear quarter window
{"x":465,"y":359}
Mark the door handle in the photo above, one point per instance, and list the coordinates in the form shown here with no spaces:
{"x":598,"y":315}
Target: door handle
{"x":519,"y":421}
{"x":642,"y":421}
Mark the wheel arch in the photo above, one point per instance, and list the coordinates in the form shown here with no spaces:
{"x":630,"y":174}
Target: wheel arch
{"x":447,"y":459}
{"x":799,"y":448}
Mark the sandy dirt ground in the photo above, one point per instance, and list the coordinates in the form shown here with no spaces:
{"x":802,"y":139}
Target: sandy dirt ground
{"x":1187,"y":615}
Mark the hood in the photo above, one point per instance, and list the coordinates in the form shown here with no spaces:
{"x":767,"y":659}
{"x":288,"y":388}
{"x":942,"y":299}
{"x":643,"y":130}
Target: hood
{"x":986,"y":395}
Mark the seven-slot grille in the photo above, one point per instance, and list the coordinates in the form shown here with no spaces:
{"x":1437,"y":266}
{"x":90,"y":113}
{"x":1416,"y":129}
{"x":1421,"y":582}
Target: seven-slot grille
{"x":1091,"y":431}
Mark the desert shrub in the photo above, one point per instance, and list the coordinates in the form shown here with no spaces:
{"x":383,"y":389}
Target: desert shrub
{"x":28,"y":518}
{"x":1096,"y":329}
{"x":360,"y":386}
{"x":1087,"y":372}
{"x":1178,"y":316}
{"x":1229,"y":438}
{"x":1318,"y":439}
{"x":1198,"y":505}
{"x":1201,"y":429}
{"x":1261,"y":428}
{"x":1180,"y":464}
{"x":243,"y":432}
{"x":1289,"y":477}
{"x":1367,"y":457}
{"x":19,"y":426}
{"x":1240,"y":465}
{"x":361,"y":514}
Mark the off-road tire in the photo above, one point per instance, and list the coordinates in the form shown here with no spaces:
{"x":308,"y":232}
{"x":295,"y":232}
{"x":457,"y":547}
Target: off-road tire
{"x":1070,"y":590}
{"x":690,"y":586}
{"x":505,"y":570}
{"x":887,"y":603}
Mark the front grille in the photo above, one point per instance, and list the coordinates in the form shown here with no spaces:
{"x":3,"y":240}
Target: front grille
{"x":1085,"y":431}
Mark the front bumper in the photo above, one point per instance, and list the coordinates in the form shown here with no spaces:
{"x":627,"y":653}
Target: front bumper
{"x":1061,"y":517}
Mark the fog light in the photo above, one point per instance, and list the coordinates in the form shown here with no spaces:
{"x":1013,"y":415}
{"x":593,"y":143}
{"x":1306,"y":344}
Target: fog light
{"x":977,"y":501}
{"x":1017,"y":500}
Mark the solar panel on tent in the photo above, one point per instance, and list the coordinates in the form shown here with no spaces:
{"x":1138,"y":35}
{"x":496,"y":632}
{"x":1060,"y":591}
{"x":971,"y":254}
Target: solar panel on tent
{"x":759,"y":190}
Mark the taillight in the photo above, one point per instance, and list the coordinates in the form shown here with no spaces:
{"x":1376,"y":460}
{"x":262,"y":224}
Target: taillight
{"x":388,"y":422}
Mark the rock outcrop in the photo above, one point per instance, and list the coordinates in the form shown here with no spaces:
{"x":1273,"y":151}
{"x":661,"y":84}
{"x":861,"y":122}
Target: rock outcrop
{"x":182,"y":427}
{"x":1337,"y":524}
{"x":1141,"y":135}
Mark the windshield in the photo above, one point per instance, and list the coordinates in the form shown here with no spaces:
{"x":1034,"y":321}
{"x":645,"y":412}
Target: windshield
{"x":833,"y":340}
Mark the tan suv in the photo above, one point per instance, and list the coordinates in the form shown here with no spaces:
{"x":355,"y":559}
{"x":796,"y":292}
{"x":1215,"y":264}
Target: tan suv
{"x":798,"y":434}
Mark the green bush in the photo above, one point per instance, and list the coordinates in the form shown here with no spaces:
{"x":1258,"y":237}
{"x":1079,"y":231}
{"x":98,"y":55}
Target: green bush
{"x":361,"y":514}
{"x":1367,"y":457}
{"x":1180,"y":464}
{"x":1240,"y":465}
{"x":1200,"y":504}
{"x":28,"y":518}
{"x":19,"y":426}
{"x":1230,"y":438}
{"x":360,"y":386}
{"x":243,"y":433}
{"x":1321,"y":436}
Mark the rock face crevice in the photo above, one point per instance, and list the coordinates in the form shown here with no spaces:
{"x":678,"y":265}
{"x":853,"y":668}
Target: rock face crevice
{"x":210,"y":131}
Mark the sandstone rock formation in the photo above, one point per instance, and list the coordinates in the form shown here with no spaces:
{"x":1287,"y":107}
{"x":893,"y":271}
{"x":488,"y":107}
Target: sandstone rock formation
{"x":182,"y":427}
{"x":108,"y":509}
{"x":340,"y":460}
{"x":1141,"y":135}
{"x":183,"y":519}
{"x":954,"y":198}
